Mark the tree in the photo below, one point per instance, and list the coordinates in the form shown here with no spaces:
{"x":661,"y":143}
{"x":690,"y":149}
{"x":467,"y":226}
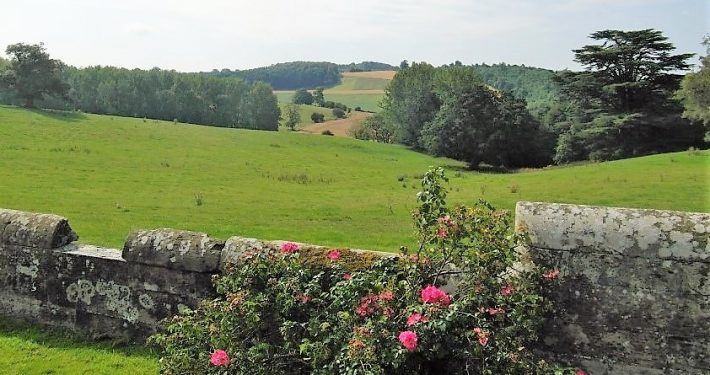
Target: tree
{"x":478,"y":124}
{"x":302,"y":96}
{"x":631,"y":71}
{"x":293,"y":117}
{"x":624,"y":99}
{"x":410,"y":102}
{"x":694,"y":92}
{"x":32,"y":74}
{"x":318,"y":97}
{"x":262,"y":107}
{"x":375,"y":128}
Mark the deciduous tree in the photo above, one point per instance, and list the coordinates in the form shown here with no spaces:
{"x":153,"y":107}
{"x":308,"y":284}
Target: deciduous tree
{"x":32,"y":74}
{"x":293,"y":117}
{"x":302,"y":96}
{"x":695,"y":92}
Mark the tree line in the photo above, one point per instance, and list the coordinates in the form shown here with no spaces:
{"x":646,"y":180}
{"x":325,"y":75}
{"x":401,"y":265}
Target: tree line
{"x":625,"y":103}
{"x":30,"y":76}
{"x":288,"y":76}
{"x":301,"y":74}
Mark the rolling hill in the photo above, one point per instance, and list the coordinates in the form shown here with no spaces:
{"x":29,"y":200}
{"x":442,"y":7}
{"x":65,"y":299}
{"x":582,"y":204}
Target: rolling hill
{"x":110,"y":175}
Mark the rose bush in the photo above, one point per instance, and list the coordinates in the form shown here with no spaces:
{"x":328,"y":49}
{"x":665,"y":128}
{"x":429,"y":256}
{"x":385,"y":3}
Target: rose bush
{"x":463,"y":301}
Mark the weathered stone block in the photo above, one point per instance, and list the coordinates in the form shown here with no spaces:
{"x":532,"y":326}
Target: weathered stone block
{"x":632,"y":296}
{"x":43,"y":231}
{"x":169,"y":248}
{"x":683,"y":236}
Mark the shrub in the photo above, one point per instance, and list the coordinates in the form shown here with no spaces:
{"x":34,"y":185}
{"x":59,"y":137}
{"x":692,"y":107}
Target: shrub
{"x":317,"y":117}
{"x":280,"y":312}
{"x":302,"y":96}
{"x":339,"y":113}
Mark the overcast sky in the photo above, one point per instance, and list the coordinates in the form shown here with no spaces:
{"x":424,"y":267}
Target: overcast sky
{"x":206,"y":34}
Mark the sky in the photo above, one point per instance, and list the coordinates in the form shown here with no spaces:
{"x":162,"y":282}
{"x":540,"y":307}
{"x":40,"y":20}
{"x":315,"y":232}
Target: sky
{"x":236,"y":34}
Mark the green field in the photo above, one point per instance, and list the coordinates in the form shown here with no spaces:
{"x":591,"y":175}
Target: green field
{"x":305,"y":112}
{"x":30,"y":350}
{"x":366,"y":101}
{"x":361,"y":83}
{"x":110,"y":175}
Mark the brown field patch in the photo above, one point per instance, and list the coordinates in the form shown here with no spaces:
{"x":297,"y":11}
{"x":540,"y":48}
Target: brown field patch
{"x":381,"y":74}
{"x":340,"y":127}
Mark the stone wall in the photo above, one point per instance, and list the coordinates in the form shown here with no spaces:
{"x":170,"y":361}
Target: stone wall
{"x":103,"y":292}
{"x":634,"y":292}
{"x":633,"y":296}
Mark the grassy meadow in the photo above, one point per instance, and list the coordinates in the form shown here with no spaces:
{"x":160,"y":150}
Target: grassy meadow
{"x":33,"y":350}
{"x":110,"y":175}
{"x":305,"y":112}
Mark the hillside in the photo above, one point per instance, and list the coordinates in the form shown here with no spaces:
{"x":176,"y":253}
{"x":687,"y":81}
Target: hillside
{"x":110,"y":175}
{"x":301,"y":74}
{"x":289,"y":75}
{"x":356,"y":89}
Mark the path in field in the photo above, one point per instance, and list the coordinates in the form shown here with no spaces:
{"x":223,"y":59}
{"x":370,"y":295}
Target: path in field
{"x":341,"y":127}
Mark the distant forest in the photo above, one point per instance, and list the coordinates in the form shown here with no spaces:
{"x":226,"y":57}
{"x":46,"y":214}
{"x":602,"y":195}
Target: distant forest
{"x":155,"y":94}
{"x":288,"y":76}
{"x":301,"y":74}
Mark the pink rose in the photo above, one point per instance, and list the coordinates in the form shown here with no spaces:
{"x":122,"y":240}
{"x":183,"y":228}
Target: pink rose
{"x":347,"y":276}
{"x":289,"y":247}
{"x":446,"y":219}
{"x":432,"y":294}
{"x":219,"y":358}
{"x":551,"y":274}
{"x":482,"y":336}
{"x":368,"y":305}
{"x":416,"y":318}
{"x":334,"y":255}
{"x":442,"y":232}
{"x":506,"y":290}
{"x":483,"y":340}
{"x":386,"y":295}
{"x":580,"y":372}
{"x":408,"y":340}
{"x":493,"y":311}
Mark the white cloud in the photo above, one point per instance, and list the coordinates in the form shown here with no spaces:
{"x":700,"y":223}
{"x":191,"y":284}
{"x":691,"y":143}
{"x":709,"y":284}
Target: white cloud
{"x":200,"y":35}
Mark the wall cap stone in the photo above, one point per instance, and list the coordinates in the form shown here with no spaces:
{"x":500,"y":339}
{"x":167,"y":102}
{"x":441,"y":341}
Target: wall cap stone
{"x":175,"y":249}
{"x":43,"y":231}
{"x":670,"y":235}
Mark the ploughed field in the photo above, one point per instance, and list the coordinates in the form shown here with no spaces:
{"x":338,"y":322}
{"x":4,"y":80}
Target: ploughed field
{"x":110,"y":175}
